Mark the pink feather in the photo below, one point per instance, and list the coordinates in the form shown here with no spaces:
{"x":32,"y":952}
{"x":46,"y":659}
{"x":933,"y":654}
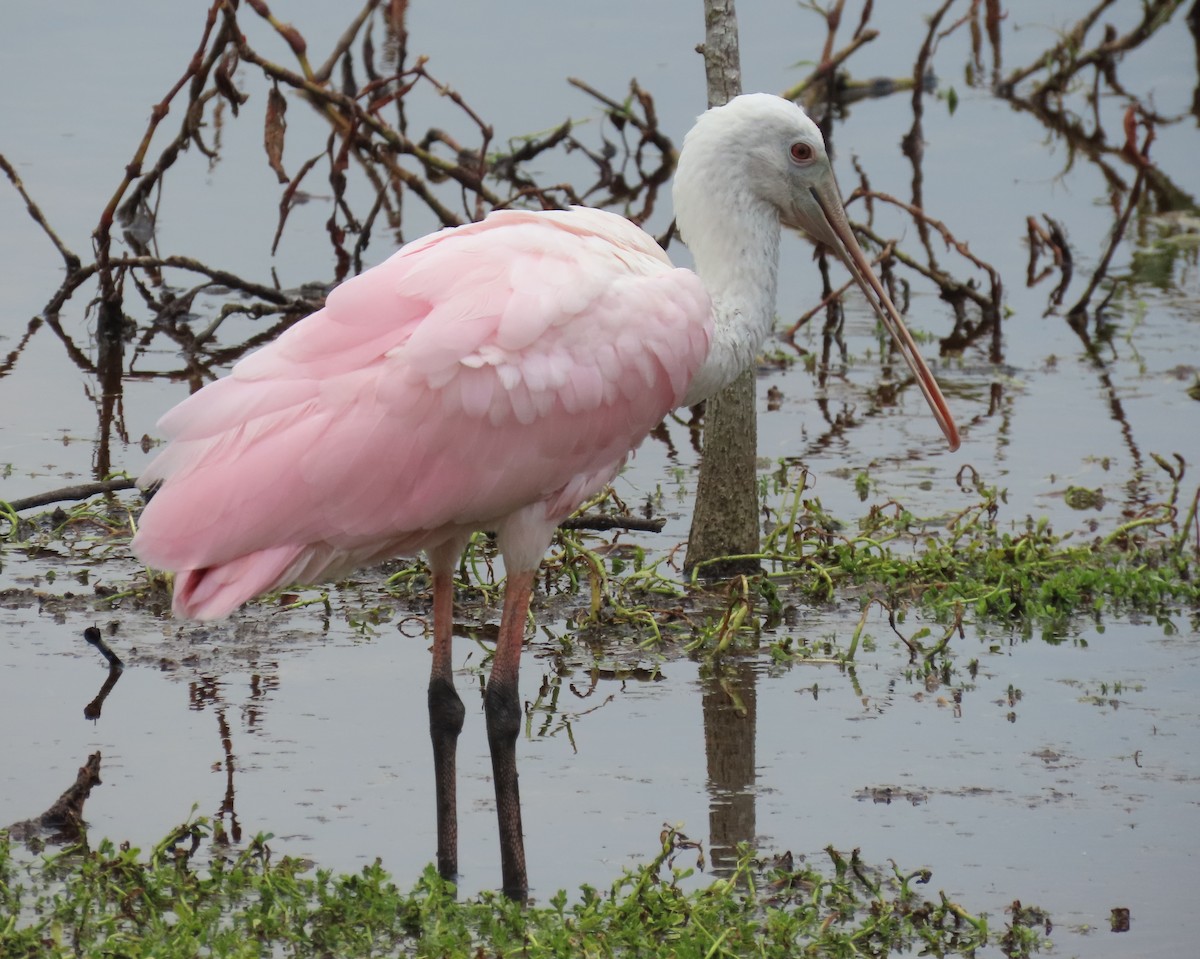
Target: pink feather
{"x":491,"y":376}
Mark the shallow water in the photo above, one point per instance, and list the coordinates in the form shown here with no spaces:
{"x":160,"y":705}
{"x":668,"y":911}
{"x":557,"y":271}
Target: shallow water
{"x":1036,"y":779}
{"x":1063,"y":774}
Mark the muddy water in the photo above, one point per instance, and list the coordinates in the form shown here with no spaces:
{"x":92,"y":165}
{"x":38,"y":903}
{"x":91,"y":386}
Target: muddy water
{"x":1063,"y":773}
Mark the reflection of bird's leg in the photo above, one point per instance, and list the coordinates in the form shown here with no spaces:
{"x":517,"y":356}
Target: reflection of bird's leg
{"x":502,"y":705}
{"x":445,"y":719}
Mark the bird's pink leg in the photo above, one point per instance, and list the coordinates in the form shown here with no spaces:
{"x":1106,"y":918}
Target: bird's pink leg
{"x":502,"y":705}
{"x":446,"y":714}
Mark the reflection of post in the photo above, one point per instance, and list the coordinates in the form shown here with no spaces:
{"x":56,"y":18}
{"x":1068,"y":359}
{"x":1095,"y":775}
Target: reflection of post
{"x":730,"y":723}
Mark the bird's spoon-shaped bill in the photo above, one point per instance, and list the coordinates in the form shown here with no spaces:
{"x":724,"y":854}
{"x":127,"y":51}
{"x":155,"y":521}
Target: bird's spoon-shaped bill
{"x":840,"y":238}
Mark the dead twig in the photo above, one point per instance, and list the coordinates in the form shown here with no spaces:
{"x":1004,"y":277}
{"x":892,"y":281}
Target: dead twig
{"x":833,"y":295}
{"x":827,"y":68}
{"x":81,"y":491}
{"x":1070,"y":54}
{"x":69,"y":258}
{"x":1140,"y":157}
{"x":602,"y":522}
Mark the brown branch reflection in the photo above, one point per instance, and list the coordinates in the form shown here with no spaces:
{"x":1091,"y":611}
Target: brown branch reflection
{"x":63,"y":823}
{"x":144,"y":297}
{"x":360,"y":89}
{"x":1075,"y":119}
{"x":1068,"y":91}
{"x":115,"y":668}
{"x":205,"y":692}
{"x":977,"y":307}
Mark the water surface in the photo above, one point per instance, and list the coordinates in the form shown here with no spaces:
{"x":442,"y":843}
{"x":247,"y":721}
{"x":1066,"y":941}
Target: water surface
{"x":1062,"y":773}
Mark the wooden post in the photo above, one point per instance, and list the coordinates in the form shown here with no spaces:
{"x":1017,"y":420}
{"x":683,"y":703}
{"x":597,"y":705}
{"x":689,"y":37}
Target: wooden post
{"x":725,"y":518}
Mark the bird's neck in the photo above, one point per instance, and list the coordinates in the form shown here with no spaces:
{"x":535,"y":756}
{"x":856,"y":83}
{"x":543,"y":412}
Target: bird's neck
{"x":736,"y":252}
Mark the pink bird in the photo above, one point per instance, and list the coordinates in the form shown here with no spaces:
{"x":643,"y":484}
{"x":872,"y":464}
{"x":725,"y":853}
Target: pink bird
{"x":492,"y":376}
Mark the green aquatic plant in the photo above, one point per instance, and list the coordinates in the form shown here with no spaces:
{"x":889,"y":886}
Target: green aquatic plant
{"x":975,"y":568}
{"x":186,"y":897}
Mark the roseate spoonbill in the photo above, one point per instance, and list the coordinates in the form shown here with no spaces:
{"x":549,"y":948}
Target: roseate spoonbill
{"x":490,"y":377}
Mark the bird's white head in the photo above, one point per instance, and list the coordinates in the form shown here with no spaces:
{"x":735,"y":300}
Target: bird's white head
{"x":756,"y":163}
{"x":758,"y":150}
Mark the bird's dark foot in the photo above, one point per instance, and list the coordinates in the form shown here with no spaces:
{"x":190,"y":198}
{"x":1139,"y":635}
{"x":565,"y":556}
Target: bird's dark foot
{"x":502,"y":707}
{"x":446,"y":714}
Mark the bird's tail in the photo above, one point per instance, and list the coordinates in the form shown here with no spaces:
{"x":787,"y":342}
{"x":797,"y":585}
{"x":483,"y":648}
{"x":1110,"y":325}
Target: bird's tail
{"x":216,"y":591}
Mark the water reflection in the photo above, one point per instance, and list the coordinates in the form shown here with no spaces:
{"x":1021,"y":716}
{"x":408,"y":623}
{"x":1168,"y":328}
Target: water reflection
{"x":92,"y":710}
{"x":189,"y":318}
{"x":226,"y":826}
{"x":208,"y":693}
{"x":63,"y":823}
{"x":728,"y":700}
{"x":729,"y":703}
{"x":150,"y":299}
{"x":115,"y":669}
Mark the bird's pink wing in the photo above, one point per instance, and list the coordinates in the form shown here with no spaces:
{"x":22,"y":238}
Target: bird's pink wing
{"x":477,"y":372}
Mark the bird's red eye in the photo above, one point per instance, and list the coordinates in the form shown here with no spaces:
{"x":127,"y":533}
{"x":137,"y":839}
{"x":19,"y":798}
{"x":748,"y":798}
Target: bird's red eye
{"x":803,"y":152}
